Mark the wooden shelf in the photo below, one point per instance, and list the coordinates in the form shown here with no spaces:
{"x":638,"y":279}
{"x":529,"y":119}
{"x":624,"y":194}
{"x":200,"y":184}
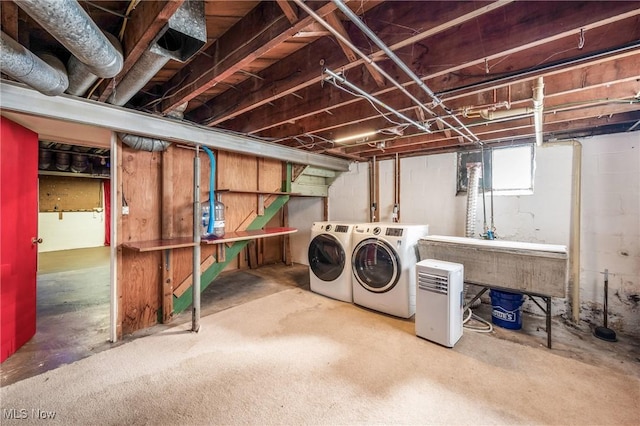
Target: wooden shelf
{"x":71,"y":174}
{"x":242,"y":191}
{"x":229,"y":237}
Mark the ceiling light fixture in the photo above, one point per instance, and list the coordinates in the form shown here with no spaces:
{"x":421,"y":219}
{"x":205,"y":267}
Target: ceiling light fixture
{"x":357,"y":136}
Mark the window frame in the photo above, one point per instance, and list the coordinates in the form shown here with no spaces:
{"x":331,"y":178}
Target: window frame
{"x":473,"y":156}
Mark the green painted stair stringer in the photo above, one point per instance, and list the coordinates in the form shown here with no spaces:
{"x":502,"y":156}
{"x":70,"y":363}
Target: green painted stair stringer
{"x":206,"y":278}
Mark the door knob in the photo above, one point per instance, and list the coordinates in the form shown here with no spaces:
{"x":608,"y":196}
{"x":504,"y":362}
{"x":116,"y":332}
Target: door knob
{"x":36,"y":240}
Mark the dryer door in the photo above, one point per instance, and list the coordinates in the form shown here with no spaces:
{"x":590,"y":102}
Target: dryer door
{"x":326,"y":257}
{"x":376,"y":265}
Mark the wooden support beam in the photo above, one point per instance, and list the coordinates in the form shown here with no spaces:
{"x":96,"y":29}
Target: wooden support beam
{"x":248,"y":96}
{"x":167,"y":233}
{"x":9,"y":16}
{"x":261,"y":30}
{"x":335,"y":22}
{"x":167,"y":286}
{"x":288,"y":10}
{"x":557,"y":42}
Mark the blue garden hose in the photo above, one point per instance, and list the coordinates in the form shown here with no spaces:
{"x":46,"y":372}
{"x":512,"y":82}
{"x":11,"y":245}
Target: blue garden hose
{"x":212,"y":174}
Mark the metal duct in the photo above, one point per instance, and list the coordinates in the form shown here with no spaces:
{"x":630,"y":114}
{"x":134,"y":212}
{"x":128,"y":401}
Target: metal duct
{"x":73,"y":28}
{"x":149,"y":64}
{"x":473,"y":182}
{"x":81,"y":78}
{"x":144,"y":143}
{"x":47,"y":74}
{"x":184,"y":35}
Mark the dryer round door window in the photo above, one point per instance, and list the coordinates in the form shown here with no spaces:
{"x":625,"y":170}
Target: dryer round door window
{"x":326,"y":257}
{"x":376,"y":265}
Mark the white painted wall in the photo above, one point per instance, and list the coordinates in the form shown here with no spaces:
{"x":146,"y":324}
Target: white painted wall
{"x":303,"y":211}
{"x":610,"y":236}
{"x":71,"y":230}
{"x":610,"y":213}
{"x":349,"y":195}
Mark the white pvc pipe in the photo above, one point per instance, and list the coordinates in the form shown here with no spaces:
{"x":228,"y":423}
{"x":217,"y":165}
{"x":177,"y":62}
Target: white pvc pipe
{"x":538,"y":117}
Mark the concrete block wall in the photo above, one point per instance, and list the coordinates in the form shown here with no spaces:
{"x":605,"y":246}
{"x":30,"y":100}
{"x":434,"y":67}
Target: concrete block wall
{"x":349,"y":195}
{"x":610,"y":236}
{"x":610,"y":214}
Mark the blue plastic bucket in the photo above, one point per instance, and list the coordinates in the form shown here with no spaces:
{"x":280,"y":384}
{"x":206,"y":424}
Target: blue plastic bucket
{"x":506,"y":309}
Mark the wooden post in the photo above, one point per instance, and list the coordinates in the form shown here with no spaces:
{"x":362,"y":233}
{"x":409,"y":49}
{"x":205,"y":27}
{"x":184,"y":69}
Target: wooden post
{"x":167,"y":233}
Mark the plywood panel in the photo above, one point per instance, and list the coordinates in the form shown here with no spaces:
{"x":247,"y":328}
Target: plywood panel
{"x":272,"y":248}
{"x":141,"y":290}
{"x":141,"y":281}
{"x":236,"y":171}
{"x":182,"y":206}
{"x":269,"y":175}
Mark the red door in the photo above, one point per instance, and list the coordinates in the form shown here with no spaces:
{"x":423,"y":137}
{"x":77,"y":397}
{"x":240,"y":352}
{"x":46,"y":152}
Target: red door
{"x":18,"y":230}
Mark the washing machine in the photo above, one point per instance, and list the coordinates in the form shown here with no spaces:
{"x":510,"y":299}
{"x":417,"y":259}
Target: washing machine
{"x":383,"y":265}
{"x":330,"y":260}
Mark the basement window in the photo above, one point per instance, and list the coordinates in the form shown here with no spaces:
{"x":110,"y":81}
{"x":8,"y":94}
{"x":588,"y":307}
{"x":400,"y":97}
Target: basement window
{"x":507,"y":170}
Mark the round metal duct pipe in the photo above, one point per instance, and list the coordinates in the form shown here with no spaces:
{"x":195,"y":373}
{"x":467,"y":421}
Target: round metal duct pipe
{"x":46,"y":74}
{"x":143,"y":143}
{"x":148,"y":65}
{"x":74,"y":29}
{"x":81,"y":78}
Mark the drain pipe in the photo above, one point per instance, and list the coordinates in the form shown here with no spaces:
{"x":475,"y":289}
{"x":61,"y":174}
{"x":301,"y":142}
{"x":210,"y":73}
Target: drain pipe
{"x":74,"y":29}
{"x":538,"y":114}
{"x":46,"y":74}
{"x":144,"y":143}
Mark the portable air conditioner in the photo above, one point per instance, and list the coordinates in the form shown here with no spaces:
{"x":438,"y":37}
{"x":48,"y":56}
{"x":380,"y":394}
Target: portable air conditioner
{"x":439,"y":301}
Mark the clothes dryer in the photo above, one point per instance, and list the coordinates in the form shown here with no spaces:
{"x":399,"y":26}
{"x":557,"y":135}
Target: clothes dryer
{"x":383,"y":265}
{"x":330,"y":260}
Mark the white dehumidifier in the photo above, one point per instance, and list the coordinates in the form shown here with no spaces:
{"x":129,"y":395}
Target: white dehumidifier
{"x":439,"y":301}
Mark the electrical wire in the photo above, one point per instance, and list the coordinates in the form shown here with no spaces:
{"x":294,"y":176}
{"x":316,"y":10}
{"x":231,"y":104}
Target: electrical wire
{"x":486,"y":326}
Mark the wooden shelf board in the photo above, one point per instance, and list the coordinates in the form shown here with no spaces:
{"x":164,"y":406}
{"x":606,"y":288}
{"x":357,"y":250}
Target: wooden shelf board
{"x":242,"y":191}
{"x":229,"y":237}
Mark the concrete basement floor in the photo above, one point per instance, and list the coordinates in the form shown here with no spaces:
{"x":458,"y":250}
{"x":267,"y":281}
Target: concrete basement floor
{"x":73,"y":317}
